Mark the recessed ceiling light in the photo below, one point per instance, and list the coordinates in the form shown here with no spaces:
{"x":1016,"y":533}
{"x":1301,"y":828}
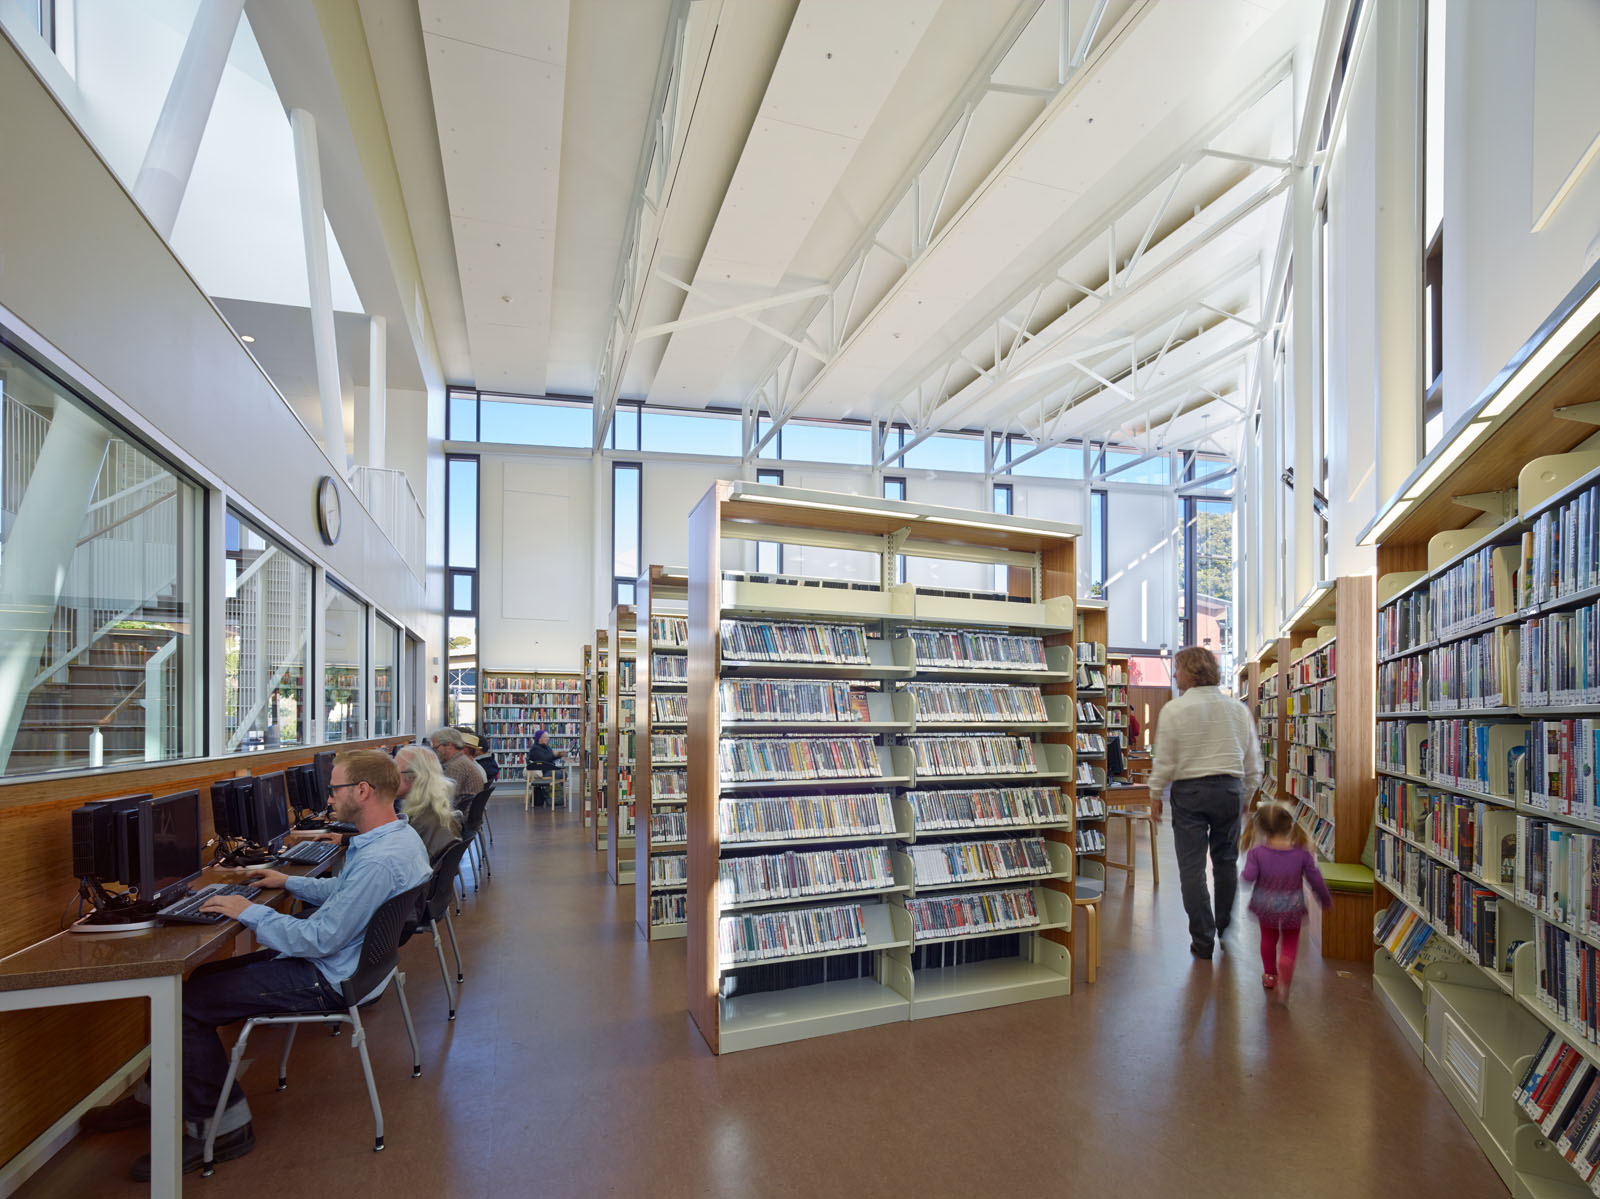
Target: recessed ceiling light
{"x":245,"y":337}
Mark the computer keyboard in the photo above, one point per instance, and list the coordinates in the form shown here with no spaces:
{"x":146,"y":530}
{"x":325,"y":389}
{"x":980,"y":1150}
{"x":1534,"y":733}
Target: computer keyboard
{"x":187,"y":910}
{"x":308,"y":853}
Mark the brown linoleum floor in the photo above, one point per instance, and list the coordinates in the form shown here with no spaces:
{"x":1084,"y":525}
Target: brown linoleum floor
{"x":573,"y":1070}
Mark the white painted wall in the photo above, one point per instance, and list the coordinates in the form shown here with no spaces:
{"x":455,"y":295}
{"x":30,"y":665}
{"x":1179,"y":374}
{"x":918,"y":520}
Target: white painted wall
{"x":1141,"y":567}
{"x":1502,"y":279}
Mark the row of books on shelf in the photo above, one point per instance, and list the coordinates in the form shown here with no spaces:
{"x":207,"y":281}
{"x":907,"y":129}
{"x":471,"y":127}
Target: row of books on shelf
{"x":519,"y":713}
{"x":965,"y":649}
{"x":1403,"y":625}
{"x":762,"y":878}
{"x":669,"y":708}
{"x":786,"y":818}
{"x":1567,"y":980}
{"x":1410,"y":940}
{"x":669,"y":668}
{"x":979,"y":912}
{"x":1319,"y":827}
{"x":1558,"y":873}
{"x":1092,"y":653}
{"x":1315,"y":764}
{"x":937,"y":862}
{"x":506,"y":749}
{"x":669,"y":783}
{"x":1560,"y":555}
{"x":1478,"y":837}
{"x":1088,"y":777}
{"x":1559,"y":662}
{"x":1091,"y":841}
{"x":1477,"y":754}
{"x":671,"y":631}
{"x":666,"y":746}
{"x":759,"y":936}
{"x":976,"y":702}
{"x":994,"y":807}
{"x":1313,"y":731}
{"x":565,"y":689}
{"x":797,"y":759}
{"x":959,"y":754}
{"x":1479,"y":671}
{"x":1317,"y":666}
{"x":627,"y":674}
{"x":1317,"y":698}
{"x":1091,"y":743}
{"x":1091,"y":678}
{"x":1461,"y":908}
{"x":1402,"y":685}
{"x":668,"y":828}
{"x":669,"y":907}
{"x":669,"y":869}
{"x":794,"y":641}
{"x":1090,"y":807}
{"x":1090,"y":713}
{"x":792,"y":699}
{"x":1561,"y":1094}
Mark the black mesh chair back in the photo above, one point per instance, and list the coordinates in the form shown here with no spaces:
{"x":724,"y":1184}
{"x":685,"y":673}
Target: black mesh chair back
{"x":442,"y":887}
{"x":472,"y":822}
{"x":380,"y":948}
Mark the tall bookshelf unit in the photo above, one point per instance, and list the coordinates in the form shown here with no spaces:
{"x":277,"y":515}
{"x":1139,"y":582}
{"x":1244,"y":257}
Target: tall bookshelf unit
{"x":1486,"y":814}
{"x":1325,"y":689}
{"x":661,"y":773}
{"x":1095,"y":724}
{"x":915,"y":907}
{"x":514,"y":704}
{"x":1271,"y":722}
{"x":621,"y":744}
{"x":595,"y":708}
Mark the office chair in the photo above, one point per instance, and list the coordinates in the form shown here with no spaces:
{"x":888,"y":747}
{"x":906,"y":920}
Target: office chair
{"x":436,"y":906}
{"x":380,"y":962}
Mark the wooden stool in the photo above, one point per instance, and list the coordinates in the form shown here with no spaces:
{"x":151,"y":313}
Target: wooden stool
{"x":1129,"y":804}
{"x":1086,"y":895}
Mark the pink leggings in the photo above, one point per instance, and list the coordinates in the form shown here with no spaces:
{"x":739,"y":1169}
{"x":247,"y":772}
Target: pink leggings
{"x":1275,"y":959}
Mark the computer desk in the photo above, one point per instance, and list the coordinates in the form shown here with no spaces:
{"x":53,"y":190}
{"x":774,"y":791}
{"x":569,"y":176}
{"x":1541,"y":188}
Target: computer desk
{"x":86,"y":968}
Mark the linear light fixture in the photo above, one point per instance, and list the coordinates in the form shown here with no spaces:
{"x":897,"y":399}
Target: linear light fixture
{"x":1311,"y":601}
{"x":1390,"y":518}
{"x":1512,"y":391}
{"x":921,"y":518}
{"x":1452,"y":454}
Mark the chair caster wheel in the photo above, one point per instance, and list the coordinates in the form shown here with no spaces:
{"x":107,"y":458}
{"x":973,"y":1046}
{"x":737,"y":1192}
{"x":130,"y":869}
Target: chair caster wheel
{"x":416,"y":1071}
{"x":207,"y":1169}
{"x":377,"y":1145}
{"x":283,"y":1083}
{"x":452,"y":1015}
{"x":461,"y":978}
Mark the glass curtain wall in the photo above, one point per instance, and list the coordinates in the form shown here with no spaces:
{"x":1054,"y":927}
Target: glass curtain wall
{"x":344,"y":620}
{"x":385,"y":679}
{"x":101,"y":561}
{"x":266,"y":644}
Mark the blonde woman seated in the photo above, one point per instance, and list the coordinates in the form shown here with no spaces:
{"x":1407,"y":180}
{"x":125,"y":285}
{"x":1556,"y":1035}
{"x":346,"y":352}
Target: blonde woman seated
{"x":426,"y":798}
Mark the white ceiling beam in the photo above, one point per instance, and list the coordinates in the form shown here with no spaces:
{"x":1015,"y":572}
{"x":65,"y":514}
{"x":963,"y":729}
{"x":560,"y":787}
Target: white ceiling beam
{"x":733,"y":312}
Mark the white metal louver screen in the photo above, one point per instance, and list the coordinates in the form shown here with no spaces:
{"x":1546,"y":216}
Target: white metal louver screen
{"x":1465,"y":1060}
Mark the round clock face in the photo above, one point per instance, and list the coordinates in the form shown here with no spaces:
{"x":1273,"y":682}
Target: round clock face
{"x":329,"y":517}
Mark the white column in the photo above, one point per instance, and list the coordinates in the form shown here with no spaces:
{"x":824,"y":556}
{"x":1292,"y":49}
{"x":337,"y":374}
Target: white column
{"x":377,"y":391}
{"x":39,"y":552}
{"x":308,"y":169}
{"x":1304,"y":542}
{"x":169,"y":159}
{"x":1269,"y":493}
{"x":1397,"y":307}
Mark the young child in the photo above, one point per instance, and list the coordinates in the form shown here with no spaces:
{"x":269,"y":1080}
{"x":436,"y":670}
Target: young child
{"x":1280,"y":864}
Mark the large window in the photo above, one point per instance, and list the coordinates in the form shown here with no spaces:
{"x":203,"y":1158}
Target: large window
{"x":705,"y":434}
{"x":817,"y":441}
{"x":627,"y":516}
{"x":1002,"y":501}
{"x":946,"y":451}
{"x":1206,"y":565}
{"x":385,"y":679}
{"x":461,"y":588}
{"x":1433,"y":227}
{"x":1055,"y":462}
{"x":1130,"y":466}
{"x":101,"y":588}
{"x":266,"y":648}
{"x":515,"y":420}
{"x":1098,"y":552}
{"x":344,"y":620}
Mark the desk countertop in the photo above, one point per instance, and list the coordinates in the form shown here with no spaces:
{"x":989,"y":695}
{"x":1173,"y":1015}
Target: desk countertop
{"x":69,"y":958}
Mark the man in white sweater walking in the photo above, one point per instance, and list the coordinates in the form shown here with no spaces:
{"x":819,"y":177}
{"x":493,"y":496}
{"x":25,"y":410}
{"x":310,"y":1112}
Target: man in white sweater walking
{"x":1206,"y":749}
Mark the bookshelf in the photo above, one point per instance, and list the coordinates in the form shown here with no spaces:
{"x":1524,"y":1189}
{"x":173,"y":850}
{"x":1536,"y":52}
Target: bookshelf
{"x":884,"y":724}
{"x":514,"y":704}
{"x":595,"y":664}
{"x":1486,"y":811}
{"x":1096,"y":723}
{"x":661,"y":862}
{"x":621,"y":744}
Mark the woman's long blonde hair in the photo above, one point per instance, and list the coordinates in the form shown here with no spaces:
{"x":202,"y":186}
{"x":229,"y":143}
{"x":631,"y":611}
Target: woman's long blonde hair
{"x":430,"y":791}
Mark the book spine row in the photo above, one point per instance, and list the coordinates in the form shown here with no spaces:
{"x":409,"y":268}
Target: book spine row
{"x":1315,"y":764}
{"x":1091,"y":841}
{"x":1569,"y":978}
{"x":1447,"y":823}
{"x":804,"y":875}
{"x":670,"y":907}
{"x":669,"y":668}
{"x":670,"y":630}
{"x":1561,"y":553}
{"x":1478,"y":672}
{"x":667,"y":827}
{"x":1404,"y":625}
{"x":1559,"y":658}
{"x":962,"y":648}
{"x":672,"y":783}
{"x":1090,"y":713}
{"x":1410,"y":939}
{"x":1091,"y":743}
{"x":1090,"y":807}
{"x":787,"y":641}
{"x":1092,"y":653}
{"x":1459,"y":908}
{"x":1558,"y":873}
{"x":748,"y":820}
{"x":763,"y":936}
{"x":670,"y":709}
{"x":1089,"y":776}
{"x":976,"y":702}
{"x":1561,"y":1093}
{"x":797,"y":759}
{"x":1463,"y":597}
{"x":980,"y":912}
{"x":1316,"y":698}
{"x":1402,"y":685}
{"x":957,"y":755}
{"x":668,"y":745}
{"x":1315,"y":732}
{"x":496,"y":683}
{"x":1315,"y":667}
{"x":991,"y":807}
{"x":978,"y":861}
{"x":668,"y":869}
{"x":1460,"y":753}
{"x":627,"y":673}
{"x":792,"y":699}
{"x":1091,"y":678}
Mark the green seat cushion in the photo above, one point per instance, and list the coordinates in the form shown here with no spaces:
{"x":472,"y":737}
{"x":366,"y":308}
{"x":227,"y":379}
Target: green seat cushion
{"x":1348,"y":876}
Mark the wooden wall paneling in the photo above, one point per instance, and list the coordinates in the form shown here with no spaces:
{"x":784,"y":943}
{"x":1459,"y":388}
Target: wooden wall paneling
{"x":644,"y":597}
{"x":705,"y":619}
{"x":619,"y":627}
{"x":1147,"y":703}
{"x":1355,"y":692}
{"x":1059,"y":576}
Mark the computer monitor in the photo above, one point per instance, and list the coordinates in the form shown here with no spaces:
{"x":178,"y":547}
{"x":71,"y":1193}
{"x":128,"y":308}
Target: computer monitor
{"x":170,"y":834}
{"x":271,"y":809}
{"x":231,"y":803}
{"x":324,"y":764}
{"x":303,"y":789}
{"x":95,"y":849}
{"x":133,"y":859}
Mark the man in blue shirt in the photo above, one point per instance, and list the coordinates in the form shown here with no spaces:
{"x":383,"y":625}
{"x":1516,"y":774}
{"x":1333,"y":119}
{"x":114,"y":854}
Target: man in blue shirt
{"x":304,"y":960}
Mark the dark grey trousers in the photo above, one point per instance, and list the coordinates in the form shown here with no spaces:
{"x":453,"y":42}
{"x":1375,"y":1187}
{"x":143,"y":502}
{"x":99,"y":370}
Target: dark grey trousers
{"x":1205,"y":815}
